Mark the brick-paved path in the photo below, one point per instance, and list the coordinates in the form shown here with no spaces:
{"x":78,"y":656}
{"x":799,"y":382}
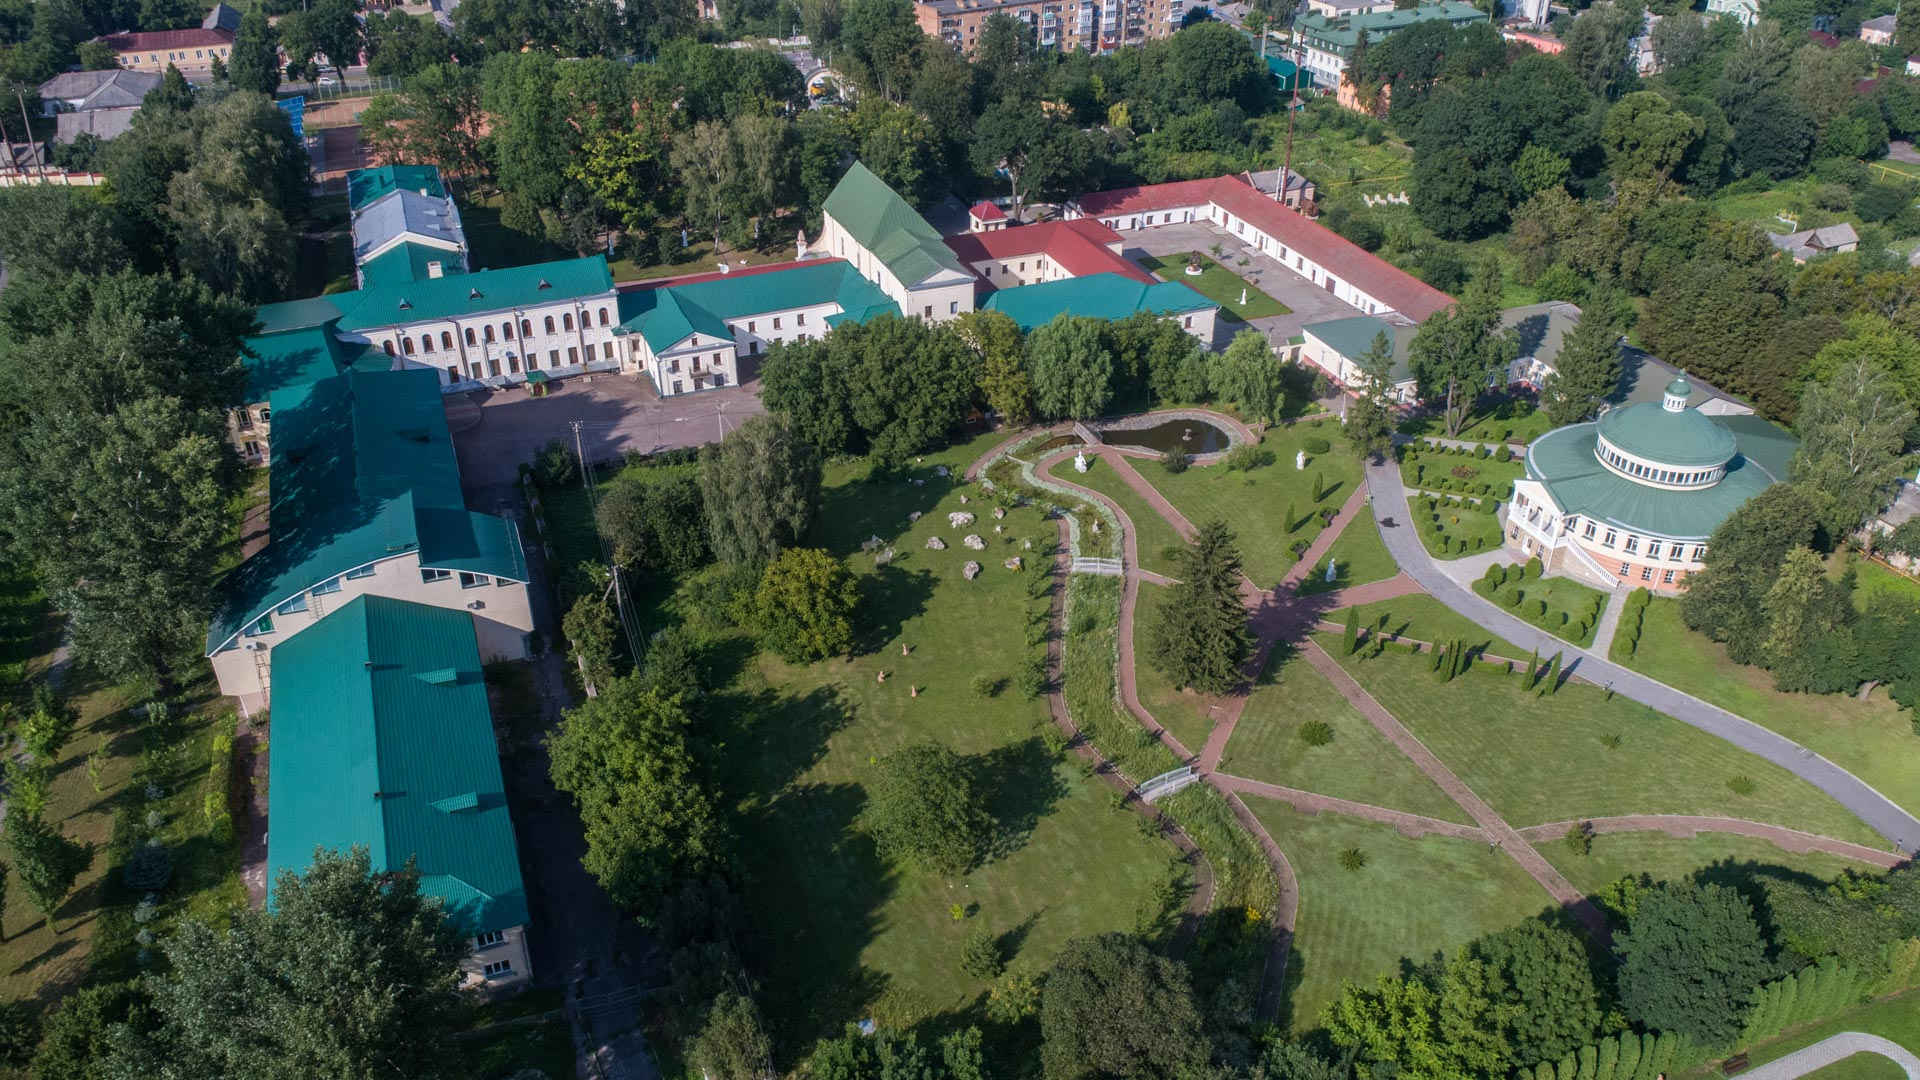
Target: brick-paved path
{"x":1412,"y":826}
{"x":1684,"y":826}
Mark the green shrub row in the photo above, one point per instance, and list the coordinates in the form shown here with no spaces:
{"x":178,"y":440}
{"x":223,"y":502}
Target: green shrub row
{"x":1633,"y":619}
{"x":1813,"y":993}
{"x":1440,"y":482}
{"x":1504,"y":585}
{"x":217,"y":803}
{"x":1627,"y":1056}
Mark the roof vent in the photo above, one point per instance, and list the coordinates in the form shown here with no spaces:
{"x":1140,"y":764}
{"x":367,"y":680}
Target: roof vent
{"x":473,"y":294}
{"x":406,"y":304}
{"x":445,"y":676}
{"x":545,"y":284}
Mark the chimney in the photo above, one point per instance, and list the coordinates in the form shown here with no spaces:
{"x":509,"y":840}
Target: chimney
{"x":434,"y":269}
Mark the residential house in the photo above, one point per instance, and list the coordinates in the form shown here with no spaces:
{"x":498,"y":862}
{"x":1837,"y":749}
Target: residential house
{"x":1813,"y":243}
{"x":891,"y":245}
{"x":1336,"y":347}
{"x":983,"y":216}
{"x":1878,"y":31}
{"x":366,"y":500}
{"x":1083,"y":25}
{"x":1913,"y":65}
{"x":1745,"y":12}
{"x":1334,"y":9}
{"x":1353,"y":275}
{"x":382,"y":739}
{"x":192,"y":51}
{"x":1300,"y":191}
{"x":99,"y":103}
{"x":1327,"y":41}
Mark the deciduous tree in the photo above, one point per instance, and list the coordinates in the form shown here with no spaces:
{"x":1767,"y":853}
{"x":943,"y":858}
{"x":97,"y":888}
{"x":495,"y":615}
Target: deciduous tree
{"x":1853,"y":428}
{"x":1457,"y":352}
{"x":1071,"y":369}
{"x":1724,"y":599}
{"x":923,"y":808}
{"x":996,"y":340}
{"x":1690,"y":961}
{"x":762,"y":487}
{"x":255,"y":65}
{"x":803,"y":608}
{"x":1112,"y":1007}
{"x":1248,"y":375}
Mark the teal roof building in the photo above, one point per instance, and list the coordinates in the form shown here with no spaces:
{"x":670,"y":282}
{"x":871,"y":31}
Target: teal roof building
{"x":382,"y":739}
{"x":1099,"y":296}
{"x":669,"y":314}
{"x":1633,"y":497}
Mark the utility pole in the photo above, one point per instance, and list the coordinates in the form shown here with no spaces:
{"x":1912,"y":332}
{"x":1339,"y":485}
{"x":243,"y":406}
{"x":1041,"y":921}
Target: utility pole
{"x":32,"y":148}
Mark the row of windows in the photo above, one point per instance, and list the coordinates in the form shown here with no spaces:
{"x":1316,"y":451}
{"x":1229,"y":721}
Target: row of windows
{"x":486,"y":333}
{"x":332,"y":585}
{"x":753,"y":325}
{"x":533,"y":362}
{"x":1675,"y":550}
{"x":1658,"y":476}
{"x":1646,"y":574}
{"x":198,"y":54}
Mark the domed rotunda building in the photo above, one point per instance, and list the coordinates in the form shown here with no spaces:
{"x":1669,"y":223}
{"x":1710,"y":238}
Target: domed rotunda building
{"x":1630,"y":500}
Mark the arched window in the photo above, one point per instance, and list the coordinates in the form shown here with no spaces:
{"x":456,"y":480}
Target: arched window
{"x":446,"y":341}
{"x":469,"y":335}
{"x":566,"y":320}
{"x":506,"y":329}
{"x":488,"y":331}
{"x":549,"y":324}
{"x":603,"y":316}
{"x":526,"y":327}
{"x":387,"y":345}
{"x":426,"y":342}
{"x":406,"y":345}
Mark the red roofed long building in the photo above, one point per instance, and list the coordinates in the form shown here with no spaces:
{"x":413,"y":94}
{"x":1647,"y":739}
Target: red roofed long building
{"x":1372,"y":285}
{"x":1050,"y":251}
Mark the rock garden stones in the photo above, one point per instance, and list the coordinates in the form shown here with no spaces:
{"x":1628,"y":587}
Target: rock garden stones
{"x":936,"y":544}
{"x":970,"y":571}
{"x":973,"y":541}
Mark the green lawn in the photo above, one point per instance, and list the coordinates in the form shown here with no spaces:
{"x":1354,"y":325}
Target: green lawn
{"x":1572,"y":610}
{"x":1185,"y":713}
{"x":1329,"y":153}
{"x":1671,"y":858}
{"x":1873,"y":739}
{"x":1359,"y":556}
{"x":1219,"y":284}
{"x":1359,"y":764}
{"x":496,"y":1049}
{"x":848,"y":934}
{"x":1255,"y":503}
{"x":1463,"y":473}
{"x":1861,"y":1067}
{"x":1154,"y":535}
{"x":1794,"y":196}
{"x":1896,"y":1018}
{"x":1873,"y":580}
{"x":1505,"y":421}
{"x":1411,"y":898}
{"x":1423,"y":618}
{"x":1454,"y":526}
{"x":1547,"y":758}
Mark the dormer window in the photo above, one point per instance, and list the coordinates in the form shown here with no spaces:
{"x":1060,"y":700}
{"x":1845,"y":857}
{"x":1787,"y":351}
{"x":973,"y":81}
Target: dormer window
{"x":406,"y":305}
{"x":473,"y":294}
{"x":545,"y":284}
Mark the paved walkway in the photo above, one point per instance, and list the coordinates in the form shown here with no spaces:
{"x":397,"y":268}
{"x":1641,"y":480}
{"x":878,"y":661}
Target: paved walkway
{"x":1609,"y":622}
{"x":1684,"y":826}
{"x":1412,"y":826}
{"x":1832,"y":1049}
{"x":1878,"y":811}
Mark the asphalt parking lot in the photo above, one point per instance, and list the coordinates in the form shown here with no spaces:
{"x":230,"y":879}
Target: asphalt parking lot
{"x":496,"y":430}
{"x":1310,"y":303}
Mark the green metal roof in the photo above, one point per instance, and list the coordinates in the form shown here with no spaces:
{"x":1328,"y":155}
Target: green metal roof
{"x":1352,"y":336}
{"x":1563,"y":460}
{"x":368,"y":186}
{"x":664,"y":316}
{"x":883,"y":223}
{"x":363,"y":469}
{"x":462,"y":294}
{"x":1668,"y":437}
{"x":407,"y":261}
{"x":294,"y":358}
{"x":298,"y":314}
{"x":382,"y":738}
{"x":1339,"y":33}
{"x":1099,"y":296}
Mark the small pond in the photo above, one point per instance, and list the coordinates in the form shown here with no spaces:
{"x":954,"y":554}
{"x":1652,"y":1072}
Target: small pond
{"x":1038,"y":450}
{"x":1193,"y":436}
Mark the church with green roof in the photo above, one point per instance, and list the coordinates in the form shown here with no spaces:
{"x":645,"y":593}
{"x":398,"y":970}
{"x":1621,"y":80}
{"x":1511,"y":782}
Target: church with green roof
{"x":1631,"y":499}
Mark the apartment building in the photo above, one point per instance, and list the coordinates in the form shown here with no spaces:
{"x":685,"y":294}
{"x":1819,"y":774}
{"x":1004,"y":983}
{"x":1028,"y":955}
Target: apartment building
{"x":192,"y":51}
{"x":1327,"y":41}
{"x":1086,"y":25}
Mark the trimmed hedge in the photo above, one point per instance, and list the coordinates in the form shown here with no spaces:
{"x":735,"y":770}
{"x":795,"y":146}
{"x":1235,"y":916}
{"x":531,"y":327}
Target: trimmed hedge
{"x":217,"y":804}
{"x":1627,"y":1056}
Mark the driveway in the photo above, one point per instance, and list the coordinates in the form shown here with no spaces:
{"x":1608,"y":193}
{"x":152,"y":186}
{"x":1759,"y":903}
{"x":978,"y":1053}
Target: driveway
{"x":1389,"y":500}
{"x":496,"y":430}
{"x":1310,"y":302}
{"x":1834,"y":1049}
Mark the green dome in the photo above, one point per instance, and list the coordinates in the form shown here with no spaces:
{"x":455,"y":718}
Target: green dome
{"x":1680,"y":388}
{"x":1663,"y":436}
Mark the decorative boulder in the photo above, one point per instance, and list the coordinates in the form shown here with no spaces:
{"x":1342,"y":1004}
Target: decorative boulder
{"x":939,"y":470}
{"x":1014,"y":563}
{"x":970,"y":571}
{"x":936,"y":543}
{"x":999,"y":512}
{"x":973,"y":541}
{"x":913,"y":517}
{"x":999,"y":528}
{"x":959,"y":519}
{"x":963,"y":500}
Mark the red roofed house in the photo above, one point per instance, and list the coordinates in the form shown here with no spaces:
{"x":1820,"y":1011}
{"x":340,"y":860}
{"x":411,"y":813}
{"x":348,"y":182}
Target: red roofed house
{"x":983,"y":216}
{"x":1050,"y":251}
{"x":1370,"y":284}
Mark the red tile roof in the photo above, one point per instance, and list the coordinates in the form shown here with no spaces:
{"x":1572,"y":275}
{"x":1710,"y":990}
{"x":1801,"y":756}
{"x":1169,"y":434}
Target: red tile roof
{"x":986,"y":211}
{"x":156,"y":40}
{"x":1079,"y":247}
{"x":1346,"y":260}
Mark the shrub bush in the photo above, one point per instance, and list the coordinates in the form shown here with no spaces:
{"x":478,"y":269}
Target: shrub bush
{"x":1505,"y":453}
{"x":988,"y":685}
{"x":1314,"y":444}
{"x":1533,"y":567}
{"x":1353,"y":859}
{"x":1247,"y":457}
{"x":1316,"y":733}
{"x":1033,"y":677}
{"x":1741,"y":785}
{"x":1176,"y":460}
{"x":980,"y":957}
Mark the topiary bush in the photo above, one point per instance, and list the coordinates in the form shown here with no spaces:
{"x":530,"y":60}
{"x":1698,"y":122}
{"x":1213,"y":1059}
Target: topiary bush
{"x":1314,"y":444}
{"x":1316,"y":733}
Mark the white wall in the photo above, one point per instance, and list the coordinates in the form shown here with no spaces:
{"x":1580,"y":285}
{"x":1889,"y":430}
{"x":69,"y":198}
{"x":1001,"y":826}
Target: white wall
{"x":501,"y":618}
{"x":587,"y":342}
{"x":513,"y":950}
{"x":943,"y":296}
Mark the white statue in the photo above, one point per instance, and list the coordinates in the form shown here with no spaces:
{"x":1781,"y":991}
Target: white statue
{"x":799,"y":244}
{"x":1330,"y":564}
{"x":1080,"y":461}
{"x":1243,"y":294}
{"x":1300,"y":460}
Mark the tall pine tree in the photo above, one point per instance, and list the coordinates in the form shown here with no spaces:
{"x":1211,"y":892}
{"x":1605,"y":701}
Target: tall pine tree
{"x":1588,"y":367}
{"x":1199,"y":637}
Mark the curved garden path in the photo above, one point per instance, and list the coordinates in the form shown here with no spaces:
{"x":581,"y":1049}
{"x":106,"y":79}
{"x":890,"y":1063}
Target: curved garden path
{"x":1832,"y":1049}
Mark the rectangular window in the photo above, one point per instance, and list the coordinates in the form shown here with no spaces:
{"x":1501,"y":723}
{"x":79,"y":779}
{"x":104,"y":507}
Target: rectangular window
{"x":753,"y":326}
{"x":1653,"y":549}
{"x":1633,"y":545}
{"x":1666,"y":577}
{"x":361,"y":571}
{"x":293,"y":606}
{"x":676,"y":386}
{"x":263,"y":626}
{"x":553,"y":357}
{"x":472,"y":581}
{"x":1699,"y":552}
{"x":573,"y":354}
{"x":488,"y":940}
{"x":606,"y":350}
{"x":927,"y":312}
{"x":497,"y":969}
{"x":245,"y":419}
{"x":953,"y":307}
{"x":1611,"y":535}
{"x":331,"y":585}
{"x":800,"y":319}
{"x":1589,"y":531}
{"x":431,"y":576}
{"x":1646,"y":573}
{"x":776,"y":322}
{"x":493,"y":366}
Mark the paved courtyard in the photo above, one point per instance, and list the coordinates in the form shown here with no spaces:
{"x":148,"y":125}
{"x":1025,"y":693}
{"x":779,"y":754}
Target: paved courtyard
{"x":1310,"y":303}
{"x":497,"y":430}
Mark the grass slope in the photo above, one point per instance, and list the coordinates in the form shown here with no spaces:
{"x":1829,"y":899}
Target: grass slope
{"x":1540,"y":759}
{"x":1671,"y":858}
{"x":1895,"y":1018}
{"x":1423,"y":618}
{"x":1873,"y":739}
{"x":1154,"y":535}
{"x":1254,"y":503}
{"x":1411,"y":898}
{"x":1359,"y":764}
{"x":1359,"y":556}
